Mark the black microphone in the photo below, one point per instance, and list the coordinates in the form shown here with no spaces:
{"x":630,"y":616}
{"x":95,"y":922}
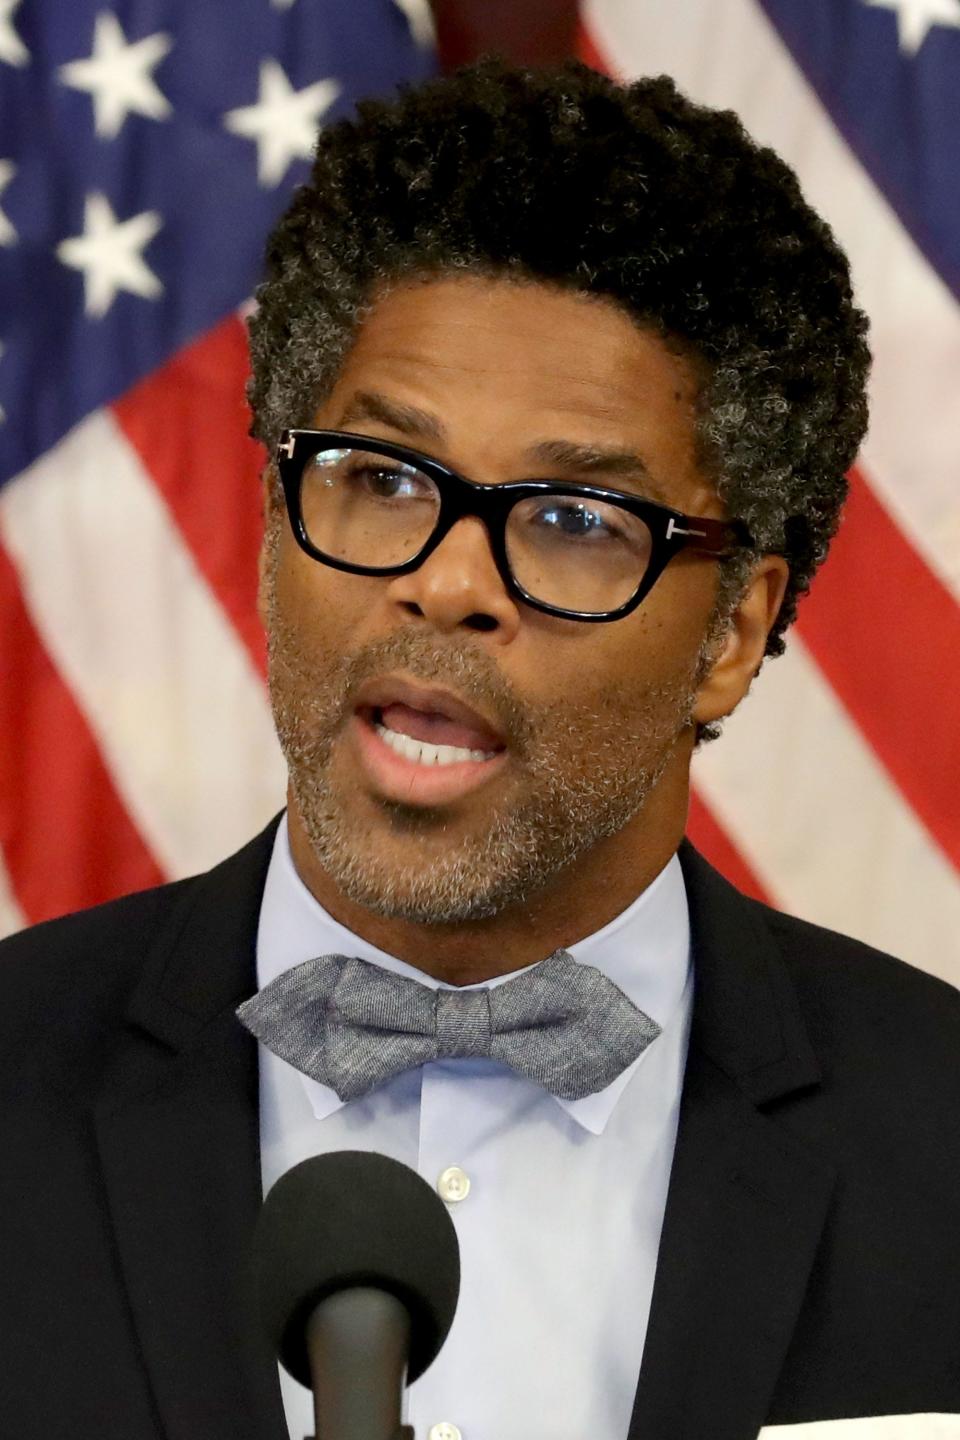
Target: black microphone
{"x":357,"y":1268}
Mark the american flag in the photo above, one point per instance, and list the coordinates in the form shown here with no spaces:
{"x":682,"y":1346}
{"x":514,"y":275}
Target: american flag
{"x":834,"y":791}
{"x":146,"y":147}
{"x":144,"y":150}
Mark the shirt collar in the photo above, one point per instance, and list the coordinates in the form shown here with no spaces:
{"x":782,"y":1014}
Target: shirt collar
{"x":645,"y":950}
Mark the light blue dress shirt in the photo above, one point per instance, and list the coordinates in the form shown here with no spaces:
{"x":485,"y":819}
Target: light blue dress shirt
{"x":558,"y":1204}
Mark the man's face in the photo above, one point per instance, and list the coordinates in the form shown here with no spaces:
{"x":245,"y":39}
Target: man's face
{"x":581,"y":725}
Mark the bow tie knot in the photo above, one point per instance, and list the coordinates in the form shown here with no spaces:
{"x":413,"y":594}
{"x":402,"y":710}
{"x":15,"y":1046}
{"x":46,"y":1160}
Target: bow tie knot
{"x":353,"y":1026}
{"x":463,"y":1025}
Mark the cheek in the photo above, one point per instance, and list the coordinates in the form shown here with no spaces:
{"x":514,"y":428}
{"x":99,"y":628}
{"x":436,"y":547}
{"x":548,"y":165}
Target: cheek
{"x":586,"y":663}
{"x":675,"y":617}
{"x":318,"y":605}
{"x":619,"y":678}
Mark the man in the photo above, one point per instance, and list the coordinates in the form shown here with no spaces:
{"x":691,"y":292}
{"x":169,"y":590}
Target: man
{"x":559,"y":382}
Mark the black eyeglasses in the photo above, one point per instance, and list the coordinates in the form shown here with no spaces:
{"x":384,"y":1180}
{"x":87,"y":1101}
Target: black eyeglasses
{"x":374,"y":508}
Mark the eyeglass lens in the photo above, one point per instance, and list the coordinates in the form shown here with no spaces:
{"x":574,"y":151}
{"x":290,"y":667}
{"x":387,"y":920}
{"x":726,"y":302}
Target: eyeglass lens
{"x":575,"y":553}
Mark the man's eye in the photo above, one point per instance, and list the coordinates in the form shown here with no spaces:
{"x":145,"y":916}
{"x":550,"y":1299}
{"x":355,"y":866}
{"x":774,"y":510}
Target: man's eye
{"x":381,"y":481}
{"x":575,"y":521}
{"x":386,"y":482}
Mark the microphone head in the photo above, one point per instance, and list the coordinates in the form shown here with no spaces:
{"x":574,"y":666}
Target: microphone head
{"x":354,"y":1218}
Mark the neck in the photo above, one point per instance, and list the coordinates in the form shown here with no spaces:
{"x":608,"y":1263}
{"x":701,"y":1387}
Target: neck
{"x":573,"y":904}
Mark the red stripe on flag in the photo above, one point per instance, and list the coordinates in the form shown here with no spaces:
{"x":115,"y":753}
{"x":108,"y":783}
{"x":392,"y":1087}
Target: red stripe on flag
{"x":886,"y":634}
{"x":588,"y":51}
{"x":67,"y":840}
{"x":188,"y":423}
{"x":715,"y":845}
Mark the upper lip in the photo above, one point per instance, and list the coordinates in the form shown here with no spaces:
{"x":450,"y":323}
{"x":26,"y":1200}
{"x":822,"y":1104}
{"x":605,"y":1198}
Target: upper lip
{"x":394,"y":690}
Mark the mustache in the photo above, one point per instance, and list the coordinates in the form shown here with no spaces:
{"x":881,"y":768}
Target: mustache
{"x":329,"y":684}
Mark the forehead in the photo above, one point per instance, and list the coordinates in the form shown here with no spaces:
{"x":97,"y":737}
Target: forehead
{"x":504,"y":366}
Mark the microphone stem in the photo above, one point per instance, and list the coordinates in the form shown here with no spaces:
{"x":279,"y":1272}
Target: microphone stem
{"x":358,"y":1343}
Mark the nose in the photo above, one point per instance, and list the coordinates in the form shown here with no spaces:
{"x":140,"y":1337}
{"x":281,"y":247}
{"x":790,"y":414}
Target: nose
{"x":460,"y":585}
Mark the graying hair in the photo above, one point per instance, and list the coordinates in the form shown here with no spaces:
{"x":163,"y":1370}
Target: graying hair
{"x":630,"y":192}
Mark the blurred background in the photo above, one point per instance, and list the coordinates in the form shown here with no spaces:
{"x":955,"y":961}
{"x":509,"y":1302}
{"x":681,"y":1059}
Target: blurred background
{"x":146,"y":146}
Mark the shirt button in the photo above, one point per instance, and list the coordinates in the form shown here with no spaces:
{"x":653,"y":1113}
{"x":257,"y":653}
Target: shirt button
{"x":453,"y":1185}
{"x":444,"y":1431}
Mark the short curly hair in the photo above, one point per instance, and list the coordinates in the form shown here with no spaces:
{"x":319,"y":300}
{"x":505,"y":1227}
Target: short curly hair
{"x":631,"y":192}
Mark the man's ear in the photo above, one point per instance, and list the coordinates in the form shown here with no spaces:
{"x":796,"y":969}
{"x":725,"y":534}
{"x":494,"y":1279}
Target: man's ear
{"x":741,"y":647}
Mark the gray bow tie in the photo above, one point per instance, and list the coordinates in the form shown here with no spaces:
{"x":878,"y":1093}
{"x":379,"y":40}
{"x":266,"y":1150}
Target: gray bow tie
{"x":352,"y":1025}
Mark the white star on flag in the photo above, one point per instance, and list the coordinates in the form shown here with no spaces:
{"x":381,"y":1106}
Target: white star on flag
{"x":118,"y":76}
{"x":915,"y":17}
{"x":7,"y":233}
{"x":108,"y":253}
{"x":283,"y":122}
{"x":419,"y":17}
{"x":282,"y":4}
{"x":12,"y":48}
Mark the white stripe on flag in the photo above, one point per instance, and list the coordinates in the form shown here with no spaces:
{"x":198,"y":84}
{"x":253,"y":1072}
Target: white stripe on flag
{"x":12,"y":917}
{"x":170,"y":692}
{"x":832,"y":840}
{"x":726,"y":53}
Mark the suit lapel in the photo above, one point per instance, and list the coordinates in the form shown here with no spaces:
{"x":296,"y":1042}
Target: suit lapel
{"x":178,"y":1136}
{"x":747,"y":1201}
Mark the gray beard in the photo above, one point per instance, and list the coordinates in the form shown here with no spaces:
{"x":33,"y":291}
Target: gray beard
{"x":517,"y":854}
{"x":562,"y":811}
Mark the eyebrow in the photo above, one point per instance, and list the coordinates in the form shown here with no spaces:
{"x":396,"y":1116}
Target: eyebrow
{"x":371,"y":405}
{"x":596,"y":461}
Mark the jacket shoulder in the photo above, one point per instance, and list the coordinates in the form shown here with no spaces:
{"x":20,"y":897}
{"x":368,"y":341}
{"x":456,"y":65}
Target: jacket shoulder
{"x":66,"y":986}
{"x":852,"y":972}
{"x":65,"y":983}
{"x":873,"y":1021}
{"x":825,"y":966}
{"x":880,"y":1027}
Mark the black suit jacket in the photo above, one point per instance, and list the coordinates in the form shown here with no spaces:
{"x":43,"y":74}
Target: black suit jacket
{"x":810,"y":1260}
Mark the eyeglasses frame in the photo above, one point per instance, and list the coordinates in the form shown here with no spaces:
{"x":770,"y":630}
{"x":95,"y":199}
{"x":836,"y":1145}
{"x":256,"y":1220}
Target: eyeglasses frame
{"x":671,"y":530}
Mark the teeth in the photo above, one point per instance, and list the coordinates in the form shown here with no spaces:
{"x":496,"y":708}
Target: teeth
{"x":423,"y":754}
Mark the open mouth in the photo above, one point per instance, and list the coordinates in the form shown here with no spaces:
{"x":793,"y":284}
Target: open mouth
{"x":428,"y":738}
{"x":424,"y":747}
